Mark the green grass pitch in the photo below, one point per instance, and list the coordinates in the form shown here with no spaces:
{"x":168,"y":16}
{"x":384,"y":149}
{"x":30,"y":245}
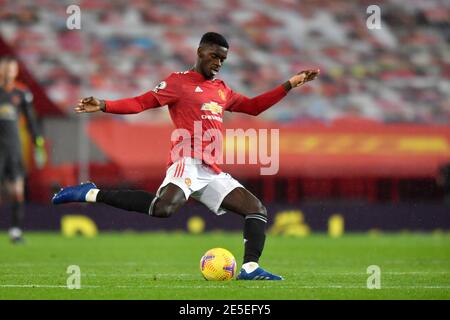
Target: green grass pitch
{"x":166,"y":266}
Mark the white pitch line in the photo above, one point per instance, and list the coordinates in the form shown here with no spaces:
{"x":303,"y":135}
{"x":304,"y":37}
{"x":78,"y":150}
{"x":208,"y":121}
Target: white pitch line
{"x":103,"y":263}
{"x":192,"y":276}
{"x":177,"y":276}
{"x":219,"y":286}
{"x":364,"y":274}
{"x":38,"y":286}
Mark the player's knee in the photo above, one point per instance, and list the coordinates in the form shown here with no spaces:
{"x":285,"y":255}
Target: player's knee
{"x":19,"y":196}
{"x":259,"y":208}
{"x":16,"y":196}
{"x":165,"y":209}
{"x":262,"y":210}
{"x":162,"y":211}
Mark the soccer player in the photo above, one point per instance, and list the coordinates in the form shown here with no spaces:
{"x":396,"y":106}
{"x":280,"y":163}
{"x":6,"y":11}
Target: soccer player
{"x":13,"y":102}
{"x":194,"y":96}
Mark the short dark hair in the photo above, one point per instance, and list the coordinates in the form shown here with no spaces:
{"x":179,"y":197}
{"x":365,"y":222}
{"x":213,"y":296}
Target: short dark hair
{"x":214,"y":38}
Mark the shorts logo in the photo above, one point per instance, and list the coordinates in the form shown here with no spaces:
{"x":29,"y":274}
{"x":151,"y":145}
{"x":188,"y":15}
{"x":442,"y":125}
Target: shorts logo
{"x":213,"y":107}
{"x":162,"y":85}
{"x":221,"y":95}
{"x":188,"y":182}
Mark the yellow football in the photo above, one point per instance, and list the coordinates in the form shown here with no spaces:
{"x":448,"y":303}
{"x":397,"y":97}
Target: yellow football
{"x":218,"y":264}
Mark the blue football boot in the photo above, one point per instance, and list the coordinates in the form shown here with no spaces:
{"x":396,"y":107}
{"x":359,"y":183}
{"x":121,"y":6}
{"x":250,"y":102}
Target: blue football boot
{"x":257,"y":274}
{"x":73,"y":193}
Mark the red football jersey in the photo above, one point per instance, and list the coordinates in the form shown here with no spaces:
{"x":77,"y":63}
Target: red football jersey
{"x":196,"y":105}
{"x":191,"y":98}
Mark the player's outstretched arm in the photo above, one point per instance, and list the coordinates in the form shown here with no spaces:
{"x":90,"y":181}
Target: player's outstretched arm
{"x":254,"y":106}
{"x":122,"y":106}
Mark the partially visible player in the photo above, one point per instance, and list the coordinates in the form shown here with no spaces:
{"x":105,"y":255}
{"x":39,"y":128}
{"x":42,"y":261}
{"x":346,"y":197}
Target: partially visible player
{"x":195,"y":97}
{"x":13,"y":102}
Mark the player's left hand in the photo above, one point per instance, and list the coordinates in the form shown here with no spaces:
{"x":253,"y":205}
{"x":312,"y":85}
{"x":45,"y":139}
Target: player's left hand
{"x":303,"y":76}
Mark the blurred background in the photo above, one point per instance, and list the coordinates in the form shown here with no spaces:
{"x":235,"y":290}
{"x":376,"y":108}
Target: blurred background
{"x":364,"y":147}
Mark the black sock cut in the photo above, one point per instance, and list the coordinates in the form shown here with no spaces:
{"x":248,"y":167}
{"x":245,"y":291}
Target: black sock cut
{"x":131,"y":200}
{"x":254,"y":235}
{"x":18,"y":213}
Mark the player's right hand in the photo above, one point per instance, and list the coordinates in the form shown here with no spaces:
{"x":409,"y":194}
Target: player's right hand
{"x":87,"y":105}
{"x":303,"y":76}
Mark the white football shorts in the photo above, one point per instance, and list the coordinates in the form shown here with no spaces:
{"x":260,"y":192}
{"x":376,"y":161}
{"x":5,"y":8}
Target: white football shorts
{"x":200,"y":182}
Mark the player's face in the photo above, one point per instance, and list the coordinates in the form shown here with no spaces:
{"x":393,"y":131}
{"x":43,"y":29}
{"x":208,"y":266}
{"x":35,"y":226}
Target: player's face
{"x":210,"y":59}
{"x":8,"y":72}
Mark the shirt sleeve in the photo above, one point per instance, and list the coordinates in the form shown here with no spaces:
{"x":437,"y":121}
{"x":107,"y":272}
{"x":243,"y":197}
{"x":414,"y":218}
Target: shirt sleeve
{"x":132,"y":105}
{"x":254,"y":106}
{"x":165,"y":93}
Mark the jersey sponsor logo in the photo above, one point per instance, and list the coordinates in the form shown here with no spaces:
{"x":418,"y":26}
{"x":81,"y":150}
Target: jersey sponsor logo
{"x":211,"y":117}
{"x":198,"y":89}
{"x":221,"y":94}
{"x":162,"y":85}
{"x":212,"y":107}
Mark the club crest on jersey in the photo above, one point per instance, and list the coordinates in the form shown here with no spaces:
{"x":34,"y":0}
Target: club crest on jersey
{"x":162,"y":85}
{"x":7,"y":112}
{"x":221,"y":94}
{"x":213,"y":107}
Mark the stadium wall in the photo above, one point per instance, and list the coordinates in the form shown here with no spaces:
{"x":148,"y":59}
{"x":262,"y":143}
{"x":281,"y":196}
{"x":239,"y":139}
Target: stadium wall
{"x":295,"y":220}
{"x":344,"y":148}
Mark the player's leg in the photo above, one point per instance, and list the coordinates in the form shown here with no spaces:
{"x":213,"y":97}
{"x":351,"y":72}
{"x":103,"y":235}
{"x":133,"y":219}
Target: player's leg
{"x":244,"y":203}
{"x":15,"y":195}
{"x":15,"y":190}
{"x":172,"y":194}
{"x":224,"y":193}
{"x":171,"y":198}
